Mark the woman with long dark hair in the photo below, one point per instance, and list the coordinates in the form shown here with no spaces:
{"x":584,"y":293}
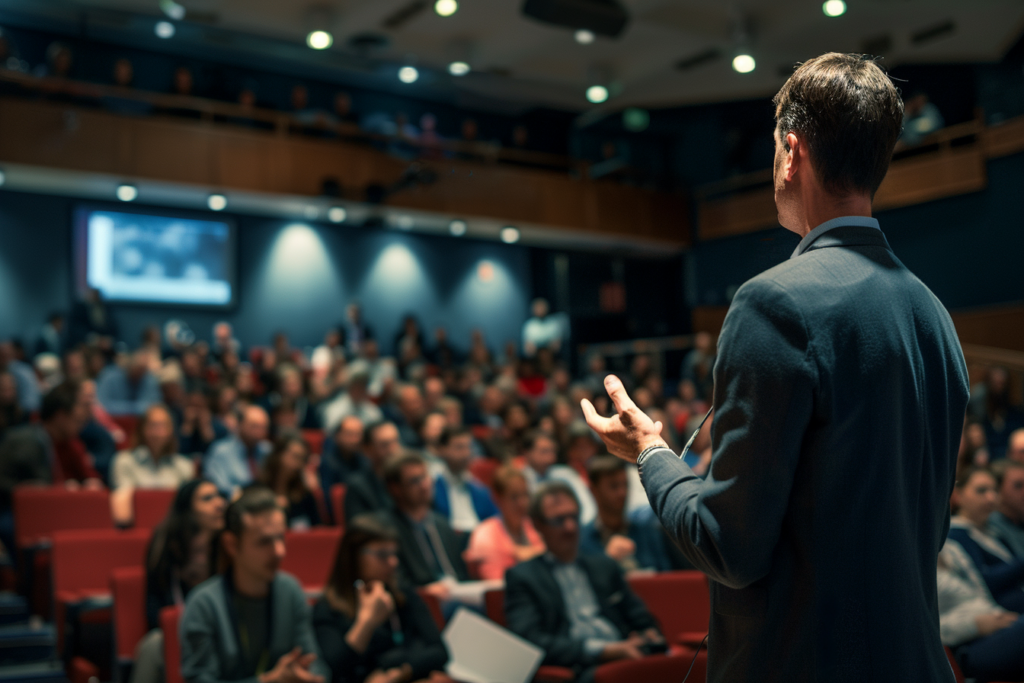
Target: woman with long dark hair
{"x":368,"y":628}
{"x":284,"y":473}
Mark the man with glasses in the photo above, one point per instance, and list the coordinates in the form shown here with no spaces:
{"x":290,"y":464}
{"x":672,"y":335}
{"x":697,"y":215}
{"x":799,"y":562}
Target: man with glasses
{"x":578,"y":609}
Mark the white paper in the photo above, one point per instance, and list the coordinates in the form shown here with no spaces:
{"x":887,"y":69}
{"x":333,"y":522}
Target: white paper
{"x":480,"y":651}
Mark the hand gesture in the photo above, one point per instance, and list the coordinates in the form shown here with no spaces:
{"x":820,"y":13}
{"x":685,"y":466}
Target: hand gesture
{"x":619,"y":547}
{"x":995,"y":621}
{"x":293,"y":668}
{"x":375,"y":603}
{"x":628,"y":433}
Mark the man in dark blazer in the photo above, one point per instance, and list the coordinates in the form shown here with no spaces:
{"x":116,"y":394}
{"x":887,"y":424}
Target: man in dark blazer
{"x":578,"y":609}
{"x":365,"y":491}
{"x":840,"y":391}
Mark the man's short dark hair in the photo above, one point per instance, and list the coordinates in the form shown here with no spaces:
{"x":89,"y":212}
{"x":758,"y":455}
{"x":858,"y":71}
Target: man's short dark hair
{"x":545,"y":491}
{"x":255,"y":500}
{"x":393,"y":468}
{"x":372,"y":428}
{"x":602,"y":466}
{"x":850,"y":115}
{"x":1001,"y":467}
{"x":531,"y":438}
{"x":452,"y":431}
{"x":60,"y":399}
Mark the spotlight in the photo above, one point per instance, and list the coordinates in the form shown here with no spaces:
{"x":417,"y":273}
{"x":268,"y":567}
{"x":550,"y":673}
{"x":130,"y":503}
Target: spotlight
{"x":510,"y":234}
{"x":597,"y":94}
{"x":834,"y":8}
{"x":408,"y":74}
{"x":319,"y":40}
{"x":164,"y":29}
{"x":458,"y":68}
{"x":457,"y":228}
{"x":217,"y":202}
{"x":446,"y":8}
{"x":126,"y":192}
{"x":584,"y":37}
{"x":3,"y":177}
{"x":635,"y":120}
{"x":336,"y":214}
{"x":743,"y":63}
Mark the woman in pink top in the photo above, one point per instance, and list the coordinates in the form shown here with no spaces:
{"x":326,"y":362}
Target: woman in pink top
{"x":503,"y":541}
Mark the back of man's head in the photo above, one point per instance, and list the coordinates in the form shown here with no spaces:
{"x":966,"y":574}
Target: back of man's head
{"x":849,"y":114}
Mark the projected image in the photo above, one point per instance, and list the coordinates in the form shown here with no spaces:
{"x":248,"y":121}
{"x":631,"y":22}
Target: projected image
{"x":136,"y":257}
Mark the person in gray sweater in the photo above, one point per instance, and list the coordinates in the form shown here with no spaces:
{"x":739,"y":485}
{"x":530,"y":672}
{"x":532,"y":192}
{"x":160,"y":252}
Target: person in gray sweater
{"x":250,"y":622}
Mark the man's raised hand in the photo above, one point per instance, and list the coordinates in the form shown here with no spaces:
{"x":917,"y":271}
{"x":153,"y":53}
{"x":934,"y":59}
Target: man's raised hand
{"x":628,"y":433}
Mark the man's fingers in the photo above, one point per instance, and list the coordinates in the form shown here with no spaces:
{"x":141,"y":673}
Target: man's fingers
{"x":658,"y":426}
{"x":597,"y":422}
{"x":617,"y":392}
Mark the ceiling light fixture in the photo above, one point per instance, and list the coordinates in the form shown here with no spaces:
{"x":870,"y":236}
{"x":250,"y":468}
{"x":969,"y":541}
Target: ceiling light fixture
{"x":743,"y":63}
{"x":446,"y":8}
{"x":458,"y":68}
{"x":172,"y":9}
{"x":457,"y":227}
{"x":510,"y":234}
{"x":834,"y":8}
{"x":164,"y":29}
{"x":584,"y":36}
{"x":408,"y":74}
{"x":597,"y":94}
{"x":336,"y":214}
{"x":319,"y":40}
{"x":217,"y":202}
{"x":126,"y":192}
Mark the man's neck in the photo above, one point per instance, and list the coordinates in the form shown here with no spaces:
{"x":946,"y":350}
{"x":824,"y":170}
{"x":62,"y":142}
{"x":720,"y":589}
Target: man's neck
{"x":248,"y":586}
{"x":820,"y":209}
{"x":1005,"y":511}
{"x":567,"y":557}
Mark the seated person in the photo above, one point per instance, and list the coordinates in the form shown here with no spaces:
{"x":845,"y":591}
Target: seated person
{"x":540,"y":456}
{"x":177,"y":560}
{"x":987,"y":640}
{"x":154,"y":464}
{"x":342,"y":456}
{"x":199,"y":427}
{"x":578,"y":609}
{"x":366,"y":492}
{"x":369,"y":627}
{"x":635,"y":540}
{"x":292,"y":392}
{"x":974,"y":496}
{"x":100,"y":434}
{"x":129,"y":390}
{"x":457,"y":494}
{"x":508,"y":538}
{"x":250,"y":620}
{"x":429,"y":550}
{"x":354,"y":401}
{"x":284,"y":473}
{"x":1007,"y":522}
{"x":234,"y":461}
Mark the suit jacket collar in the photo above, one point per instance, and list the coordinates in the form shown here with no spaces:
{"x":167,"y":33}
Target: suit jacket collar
{"x":849,"y":236}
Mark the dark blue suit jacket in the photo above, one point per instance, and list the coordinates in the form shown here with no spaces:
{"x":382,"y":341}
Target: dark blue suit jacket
{"x":483,"y":504}
{"x":840,"y":391}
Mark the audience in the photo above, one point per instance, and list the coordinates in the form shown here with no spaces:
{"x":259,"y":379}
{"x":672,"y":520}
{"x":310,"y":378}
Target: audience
{"x":342,"y":455}
{"x":542,"y":331}
{"x":235,"y":460}
{"x":250,"y":619}
{"x":130,"y":390}
{"x":1007,"y":522}
{"x":369,"y":626}
{"x":177,"y":560}
{"x":501,"y":542}
{"x":458,"y":496}
{"x":355,"y":401}
{"x":540,"y":454}
{"x":285,"y":473}
{"x":1015,"y":446}
{"x":578,"y":609}
{"x":366,"y":491}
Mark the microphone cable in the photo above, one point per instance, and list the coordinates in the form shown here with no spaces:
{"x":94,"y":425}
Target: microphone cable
{"x":694,"y":660}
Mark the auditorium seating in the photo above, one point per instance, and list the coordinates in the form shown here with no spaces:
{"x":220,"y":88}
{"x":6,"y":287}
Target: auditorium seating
{"x":338,"y":506}
{"x":310,"y":556}
{"x":128,"y":589}
{"x":653,"y":668}
{"x":314,"y":439}
{"x":151,"y":506}
{"x":494,"y":607}
{"x":169,"y":619}
{"x":680,"y":601}
{"x":129,"y":424}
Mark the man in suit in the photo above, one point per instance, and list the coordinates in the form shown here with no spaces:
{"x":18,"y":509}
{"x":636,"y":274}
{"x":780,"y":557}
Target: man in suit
{"x":578,"y":609}
{"x":458,"y":496}
{"x":366,"y":492}
{"x":840,"y":392}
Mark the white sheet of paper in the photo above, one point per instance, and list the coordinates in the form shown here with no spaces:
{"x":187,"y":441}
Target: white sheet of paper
{"x":483,"y":652}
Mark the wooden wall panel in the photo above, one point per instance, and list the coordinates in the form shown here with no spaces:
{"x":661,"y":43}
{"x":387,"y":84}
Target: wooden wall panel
{"x":1000,"y":327}
{"x":48,"y":135}
{"x":927,"y":177}
{"x":737,"y":214}
{"x":1005,"y":138}
{"x":709,"y":319}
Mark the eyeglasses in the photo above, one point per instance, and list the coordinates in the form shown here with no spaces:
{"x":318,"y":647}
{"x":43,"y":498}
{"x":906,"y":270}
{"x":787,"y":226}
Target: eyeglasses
{"x":560,"y":520}
{"x":381,"y":554}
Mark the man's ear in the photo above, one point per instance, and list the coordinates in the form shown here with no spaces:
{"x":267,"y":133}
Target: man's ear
{"x":795,"y":157}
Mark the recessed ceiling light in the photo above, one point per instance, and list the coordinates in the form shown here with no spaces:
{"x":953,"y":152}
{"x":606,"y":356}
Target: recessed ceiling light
{"x":446,"y":8}
{"x":126,"y":192}
{"x":172,"y":9}
{"x":217,"y":202}
{"x":408,"y":74}
{"x":457,"y":228}
{"x":834,"y":8}
{"x":319,"y":40}
{"x":336,"y":214}
{"x":597,"y":94}
{"x":510,"y":234}
{"x":458,"y":68}
{"x":584,"y":37}
{"x":743,"y":63}
{"x":164,"y":29}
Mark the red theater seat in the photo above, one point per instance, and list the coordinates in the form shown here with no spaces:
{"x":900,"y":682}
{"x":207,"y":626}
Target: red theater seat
{"x":129,"y":424}
{"x":494,"y":606}
{"x":483,"y":469}
{"x":654,"y":669}
{"x":310,"y":556}
{"x":680,"y":601}
{"x":338,"y":506}
{"x":128,"y":588}
{"x":314,"y":439}
{"x":169,"y":619}
{"x":151,"y":506}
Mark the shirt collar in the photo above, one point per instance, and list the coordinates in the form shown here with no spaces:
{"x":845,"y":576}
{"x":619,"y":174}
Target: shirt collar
{"x":842,"y":221}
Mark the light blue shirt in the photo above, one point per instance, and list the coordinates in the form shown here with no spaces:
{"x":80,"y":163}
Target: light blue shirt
{"x":118,"y":396}
{"x":582,"y":608}
{"x":227,"y":463}
{"x":842,"y":221}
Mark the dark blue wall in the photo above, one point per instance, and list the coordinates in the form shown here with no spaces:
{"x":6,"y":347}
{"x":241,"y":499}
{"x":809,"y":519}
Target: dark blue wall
{"x":292,"y":275}
{"x":967,"y":249}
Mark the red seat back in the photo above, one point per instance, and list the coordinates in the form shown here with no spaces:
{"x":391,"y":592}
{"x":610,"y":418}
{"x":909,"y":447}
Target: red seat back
{"x":338,"y":506}
{"x":128,"y":587}
{"x":434,"y":606}
{"x":83,"y":561}
{"x":483,"y":469}
{"x":314,"y":439}
{"x":680,"y":601}
{"x":129,"y":424}
{"x":40,"y":511}
{"x":494,"y":605}
{"x":310,"y":555}
{"x":151,"y":506}
{"x":169,"y":618}
{"x":956,"y":667}
{"x":654,"y":669}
